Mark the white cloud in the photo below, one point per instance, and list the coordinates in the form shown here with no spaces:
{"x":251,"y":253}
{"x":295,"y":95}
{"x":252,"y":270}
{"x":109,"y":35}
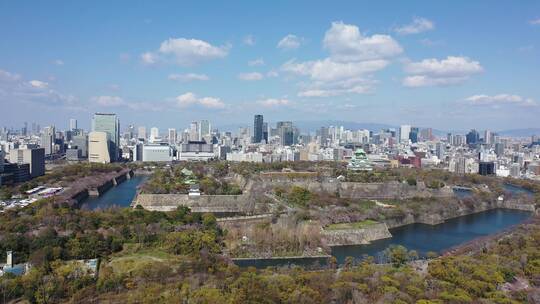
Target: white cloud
{"x":427,"y":81}
{"x":418,"y":25}
{"x":6,"y":76}
{"x":290,"y":42}
{"x":256,"y":62}
{"x":249,"y":40}
{"x":58,"y":62}
{"x":535,"y":21}
{"x":254,"y":76}
{"x":190,"y":99}
{"x":188,"y":77}
{"x":148,"y":58}
{"x":273,"y":102}
{"x":349,"y":69}
{"x":346,"y":43}
{"x":14,"y":87}
{"x":185,"y":52}
{"x":38,"y":84}
{"x":336,"y":88}
{"x":500,"y":99}
{"x":272,"y":73}
{"x":109,"y":101}
{"x":434,"y":72}
{"x":330,"y":70}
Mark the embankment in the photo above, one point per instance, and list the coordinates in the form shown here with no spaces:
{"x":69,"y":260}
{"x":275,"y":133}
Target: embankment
{"x":359,"y":236}
{"x":95,"y":185}
{"x":219,"y":204}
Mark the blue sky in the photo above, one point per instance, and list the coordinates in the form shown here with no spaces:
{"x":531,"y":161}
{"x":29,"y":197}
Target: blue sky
{"x":443,"y":64}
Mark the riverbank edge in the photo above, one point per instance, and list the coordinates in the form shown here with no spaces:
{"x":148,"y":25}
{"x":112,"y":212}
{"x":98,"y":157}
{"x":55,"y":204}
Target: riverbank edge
{"x":296,"y":257}
{"x":97,"y":191}
{"x":367,"y":235}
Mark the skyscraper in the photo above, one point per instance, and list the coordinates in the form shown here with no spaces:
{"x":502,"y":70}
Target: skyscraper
{"x":258,"y":123}
{"x":154,"y":134}
{"x":285,"y":132}
{"x":141,"y":134}
{"x":204,"y":129}
{"x":194,"y":131}
{"x":72,"y":124}
{"x":413,"y":135}
{"x":404,"y":132}
{"x":108,"y":123}
{"x":47,"y":139}
{"x":172,"y":137}
{"x":473,"y":137}
{"x":265,"y":132}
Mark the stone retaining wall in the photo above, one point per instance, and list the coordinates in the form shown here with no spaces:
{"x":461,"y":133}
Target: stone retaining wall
{"x":222,"y":204}
{"x":360,"y":236}
{"x":386,"y":190}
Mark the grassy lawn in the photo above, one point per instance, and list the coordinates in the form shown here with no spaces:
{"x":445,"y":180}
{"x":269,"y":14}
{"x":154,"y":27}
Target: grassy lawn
{"x":125,"y":263}
{"x":354,"y":225}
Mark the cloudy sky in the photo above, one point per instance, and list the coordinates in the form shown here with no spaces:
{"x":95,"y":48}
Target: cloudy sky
{"x":444,"y":64}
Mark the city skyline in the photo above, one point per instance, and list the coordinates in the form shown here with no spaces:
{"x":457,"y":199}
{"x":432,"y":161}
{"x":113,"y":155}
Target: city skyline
{"x":417,"y":63}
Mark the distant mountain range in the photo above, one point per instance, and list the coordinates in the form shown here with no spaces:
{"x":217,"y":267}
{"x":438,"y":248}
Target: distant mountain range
{"x":313,"y":125}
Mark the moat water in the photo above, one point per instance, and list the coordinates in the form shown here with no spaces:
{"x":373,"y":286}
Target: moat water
{"x":420,"y":237}
{"x":118,"y":196}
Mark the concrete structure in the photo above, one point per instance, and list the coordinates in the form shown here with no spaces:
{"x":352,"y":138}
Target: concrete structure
{"x":194,"y":131}
{"x":285,"y":132}
{"x":34,"y":157}
{"x":204,"y":129}
{"x":156,"y":153}
{"x":2,"y":156}
{"x":254,"y":157}
{"x":404,"y":133}
{"x":258,"y":123}
{"x":172,"y":137}
{"x":141,"y":134}
{"x":154,"y":134}
{"x":109,"y":123}
{"x":196,"y":150}
{"x":81,"y":142}
{"x":98,"y":148}
{"x":47,"y":140}
{"x":73,"y":154}
{"x":72,"y":124}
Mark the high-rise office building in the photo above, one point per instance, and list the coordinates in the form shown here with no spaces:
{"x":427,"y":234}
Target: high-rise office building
{"x":98,"y":147}
{"x":34,"y":157}
{"x":473,"y":137}
{"x":413,"y":135}
{"x":488,"y":137}
{"x":258,"y":123}
{"x":265,"y":132}
{"x":194,"y":131}
{"x":404,"y":132}
{"x":154,"y":134}
{"x":110,"y":124}
{"x":47,"y":139}
{"x":285,"y":132}
{"x":131,"y":132}
{"x":72,"y":124}
{"x":172,"y":137}
{"x":141,"y":134}
{"x":204,"y":129}
{"x":81,"y":142}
